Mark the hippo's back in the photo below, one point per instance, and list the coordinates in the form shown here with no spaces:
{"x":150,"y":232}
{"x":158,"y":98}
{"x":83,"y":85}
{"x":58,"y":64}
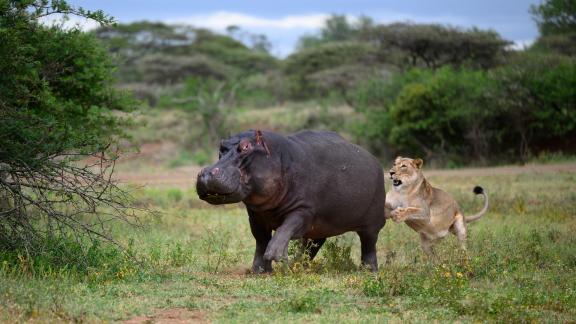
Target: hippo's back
{"x":344,"y":182}
{"x":330,"y":152}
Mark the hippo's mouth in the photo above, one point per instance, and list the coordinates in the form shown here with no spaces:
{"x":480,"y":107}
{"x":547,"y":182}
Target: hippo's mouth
{"x":215,"y":196}
{"x":219,"y":197}
{"x":396,"y":182}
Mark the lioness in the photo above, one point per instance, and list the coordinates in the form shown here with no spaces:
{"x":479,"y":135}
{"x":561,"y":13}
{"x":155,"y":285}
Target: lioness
{"x":429,"y":211}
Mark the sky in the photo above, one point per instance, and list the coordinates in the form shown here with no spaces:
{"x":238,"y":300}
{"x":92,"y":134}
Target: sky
{"x":283,"y":22}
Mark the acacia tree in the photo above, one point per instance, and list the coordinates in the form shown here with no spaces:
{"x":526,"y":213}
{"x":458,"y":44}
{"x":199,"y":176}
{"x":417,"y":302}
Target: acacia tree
{"x":433,"y":46}
{"x":57,"y":128}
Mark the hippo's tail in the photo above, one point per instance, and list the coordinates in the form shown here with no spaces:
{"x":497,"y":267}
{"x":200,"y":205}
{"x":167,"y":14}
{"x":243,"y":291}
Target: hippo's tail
{"x":479,"y":191}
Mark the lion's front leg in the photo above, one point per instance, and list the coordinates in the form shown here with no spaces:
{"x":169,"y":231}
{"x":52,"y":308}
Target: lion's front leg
{"x":401,"y":214}
{"x":388,"y":210}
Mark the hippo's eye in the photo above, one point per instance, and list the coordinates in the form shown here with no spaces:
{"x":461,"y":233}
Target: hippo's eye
{"x":223,"y":150}
{"x":243,"y":147}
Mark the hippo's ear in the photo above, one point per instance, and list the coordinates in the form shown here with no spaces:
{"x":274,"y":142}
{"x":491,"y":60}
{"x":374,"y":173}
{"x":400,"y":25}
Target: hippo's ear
{"x":260,"y":141}
{"x":418,"y":163}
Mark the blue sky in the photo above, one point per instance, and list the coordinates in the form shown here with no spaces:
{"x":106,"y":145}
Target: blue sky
{"x":285,"y":21}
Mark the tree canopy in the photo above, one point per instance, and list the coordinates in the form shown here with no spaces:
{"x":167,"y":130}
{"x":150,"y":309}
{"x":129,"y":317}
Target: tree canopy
{"x":555,"y":17}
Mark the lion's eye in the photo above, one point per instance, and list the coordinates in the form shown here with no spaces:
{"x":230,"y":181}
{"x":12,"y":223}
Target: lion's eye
{"x":403,"y":166}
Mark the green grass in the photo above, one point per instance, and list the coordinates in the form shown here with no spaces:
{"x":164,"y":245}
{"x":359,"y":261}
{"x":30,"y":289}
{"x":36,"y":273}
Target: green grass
{"x":520,"y":267}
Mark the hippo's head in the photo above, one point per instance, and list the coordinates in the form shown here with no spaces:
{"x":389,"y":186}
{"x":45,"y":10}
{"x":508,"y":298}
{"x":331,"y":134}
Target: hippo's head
{"x":244,"y":169}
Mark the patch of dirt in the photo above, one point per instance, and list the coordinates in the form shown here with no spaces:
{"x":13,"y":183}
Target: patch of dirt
{"x":152,"y":153}
{"x":178,"y":177}
{"x":506,"y":170}
{"x":239,"y":271}
{"x":186,"y":176}
{"x":171,"y":316}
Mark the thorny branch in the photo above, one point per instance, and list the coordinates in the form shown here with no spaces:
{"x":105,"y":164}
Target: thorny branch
{"x":62,"y":196}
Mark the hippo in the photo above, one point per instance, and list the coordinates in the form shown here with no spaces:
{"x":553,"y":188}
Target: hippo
{"x":309,"y":185}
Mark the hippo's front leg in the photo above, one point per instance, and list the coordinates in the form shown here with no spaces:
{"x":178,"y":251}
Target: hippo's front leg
{"x":262,"y":236}
{"x":292,"y":227}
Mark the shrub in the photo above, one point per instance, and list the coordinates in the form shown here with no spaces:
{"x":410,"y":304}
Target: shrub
{"x":459,"y":115}
{"x":449,"y":113}
{"x":57,"y":105}
{"x":217,"y":251}
{"x":65,"y":256}
{"x":309,"y":301}
{"x":170,"y":69}
{"x":211,"y":100}
{"x":301,"y":65}
{"x":536,"y":98}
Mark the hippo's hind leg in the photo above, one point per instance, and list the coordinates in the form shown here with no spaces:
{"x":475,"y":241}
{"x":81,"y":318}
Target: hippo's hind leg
{"x":312,"y":246}
{"x":368,"y":245}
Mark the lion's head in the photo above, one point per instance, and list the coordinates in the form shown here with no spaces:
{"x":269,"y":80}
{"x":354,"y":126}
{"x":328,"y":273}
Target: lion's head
{"x":406,"y":172}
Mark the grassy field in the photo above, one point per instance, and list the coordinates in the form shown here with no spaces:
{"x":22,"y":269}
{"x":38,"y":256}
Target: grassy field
{"x":190,"y":263}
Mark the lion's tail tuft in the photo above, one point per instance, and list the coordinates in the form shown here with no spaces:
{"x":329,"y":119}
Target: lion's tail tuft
{"x":479,"y":191}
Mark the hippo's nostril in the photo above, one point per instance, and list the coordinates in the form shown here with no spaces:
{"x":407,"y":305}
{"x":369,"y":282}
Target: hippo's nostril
{"x":203,"y":176}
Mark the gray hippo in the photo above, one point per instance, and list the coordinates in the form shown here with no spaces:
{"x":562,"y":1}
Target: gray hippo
{"x":309,"y":185}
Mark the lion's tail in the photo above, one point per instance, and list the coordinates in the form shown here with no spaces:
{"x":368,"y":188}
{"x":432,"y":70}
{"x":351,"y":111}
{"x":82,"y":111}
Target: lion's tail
{"x":479,"y":191}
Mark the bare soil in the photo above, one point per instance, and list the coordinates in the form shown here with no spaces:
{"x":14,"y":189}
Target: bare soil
{"x":186,"y":176}
{"x":171,"y":316}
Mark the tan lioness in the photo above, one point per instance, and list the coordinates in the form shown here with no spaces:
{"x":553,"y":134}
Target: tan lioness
{"x":429,"y":211}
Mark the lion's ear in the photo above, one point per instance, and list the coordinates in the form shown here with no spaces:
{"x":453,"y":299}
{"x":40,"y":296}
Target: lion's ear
{"x":418,"y":163}
{"x":398,"y":158}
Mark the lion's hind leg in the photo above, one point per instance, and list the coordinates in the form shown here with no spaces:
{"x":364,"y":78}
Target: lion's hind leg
{"x":427,"y":245}
{"x":459,"y":229}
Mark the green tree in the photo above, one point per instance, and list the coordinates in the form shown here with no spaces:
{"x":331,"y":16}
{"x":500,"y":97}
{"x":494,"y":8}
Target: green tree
{"x":302,"y":68}
{"x":211,"y":100}
{"x":555,"y":17}
{"x":195,"y":52}
{"x":556,"y":21}
{"x":536,"y":98}
{"x":433,"y":46}
{"x":446,"y":114}
{"x":56,"y":107}
{"x":337,"y":28}
{"x":462,"y":115}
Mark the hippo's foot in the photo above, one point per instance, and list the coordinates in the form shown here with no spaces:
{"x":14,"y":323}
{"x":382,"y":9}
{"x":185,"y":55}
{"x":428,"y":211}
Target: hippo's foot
{"x":371,"y":267}
{"x":262,"y":268}
{"x":259,"y":265}
{"x":276,"y":252}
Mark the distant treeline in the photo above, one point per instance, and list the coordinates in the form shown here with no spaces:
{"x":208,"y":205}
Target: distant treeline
{"x":444,"y":93}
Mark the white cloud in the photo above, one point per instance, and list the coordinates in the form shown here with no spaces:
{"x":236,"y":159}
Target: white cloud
{"x":70,"y":22}
{"x":519,"y":45}
{"x":222,"y":19}
{"x":284,"y":32}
